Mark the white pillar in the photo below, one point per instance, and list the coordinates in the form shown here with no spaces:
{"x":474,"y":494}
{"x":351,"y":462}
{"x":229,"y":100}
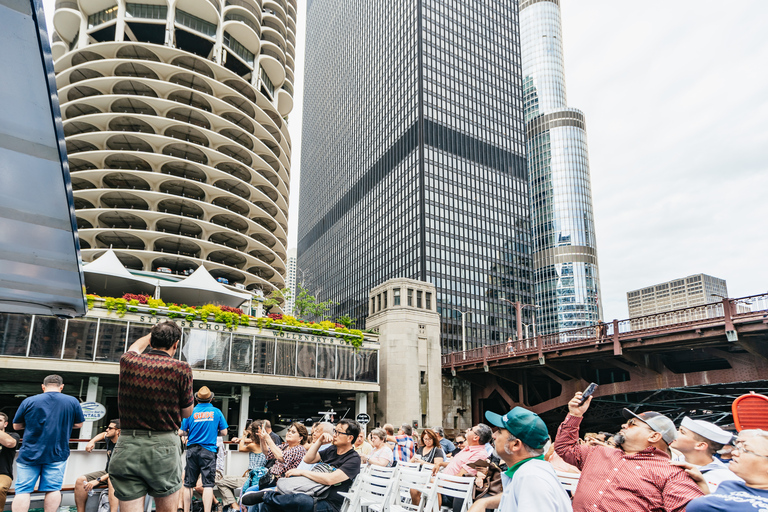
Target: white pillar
{"x":245,"y":402}
{"x":86,"y":431}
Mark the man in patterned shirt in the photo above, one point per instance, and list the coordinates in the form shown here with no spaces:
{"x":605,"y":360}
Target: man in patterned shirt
{"x":636,"y":476}
{"x":154,"y":394}
{"x":405,"y":446}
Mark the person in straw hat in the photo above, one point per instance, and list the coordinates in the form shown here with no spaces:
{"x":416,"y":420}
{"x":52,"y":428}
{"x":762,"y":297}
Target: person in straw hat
{"x":202,"y":429}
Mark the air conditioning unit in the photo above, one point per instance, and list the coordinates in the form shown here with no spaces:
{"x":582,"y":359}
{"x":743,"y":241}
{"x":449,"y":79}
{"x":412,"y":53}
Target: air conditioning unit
{"x":240,"y":286}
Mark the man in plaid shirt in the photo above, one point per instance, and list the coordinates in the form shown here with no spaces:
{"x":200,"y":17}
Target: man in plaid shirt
{"x":636,"y":476}
{"x":405,"y":446}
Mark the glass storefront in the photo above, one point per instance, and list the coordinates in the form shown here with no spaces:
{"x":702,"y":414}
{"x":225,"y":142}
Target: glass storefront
{"x":105,"y":340}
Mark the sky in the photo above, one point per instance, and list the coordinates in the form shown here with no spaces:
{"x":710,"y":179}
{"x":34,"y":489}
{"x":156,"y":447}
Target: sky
{"x":674,"y":94}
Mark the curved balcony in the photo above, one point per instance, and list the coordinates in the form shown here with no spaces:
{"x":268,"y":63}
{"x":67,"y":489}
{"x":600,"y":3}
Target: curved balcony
{"x":244,"y":31}
{"x":274,"y":8}
{"x":67,"y":19}
{"x":285,"y":99}
{"x":271,"y":59}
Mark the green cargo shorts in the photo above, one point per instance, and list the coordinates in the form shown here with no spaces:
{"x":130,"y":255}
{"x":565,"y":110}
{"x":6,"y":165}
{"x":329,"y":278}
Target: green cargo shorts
{"x":145,"y":462}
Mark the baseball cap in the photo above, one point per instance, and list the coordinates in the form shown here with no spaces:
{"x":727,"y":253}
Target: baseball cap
{"x":657,"y":421}
{"x":707,"y":430}
{"x":523,"y":424}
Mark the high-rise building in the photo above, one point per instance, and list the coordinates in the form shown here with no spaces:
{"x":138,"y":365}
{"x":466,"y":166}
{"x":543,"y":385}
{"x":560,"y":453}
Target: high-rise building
{"x":413,"y":159}
{"x":290,"y":281}
{"x":564,"y":247}
{"x":695,"y":290}
{"x":174,"y":116}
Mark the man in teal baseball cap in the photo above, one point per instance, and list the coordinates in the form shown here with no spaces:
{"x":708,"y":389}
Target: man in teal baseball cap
{"x":530,"y":483}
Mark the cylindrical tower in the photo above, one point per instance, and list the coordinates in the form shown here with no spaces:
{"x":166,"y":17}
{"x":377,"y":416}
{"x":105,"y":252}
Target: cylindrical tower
{"x":565,"y":251}
{"x":174,"y":115}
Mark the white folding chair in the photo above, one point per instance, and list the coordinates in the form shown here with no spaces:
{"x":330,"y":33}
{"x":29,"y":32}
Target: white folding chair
{"x":374,"y":489}
{"x":400,"y":498}
{"x":457,"y":487}
{"x":409,"y":465}
{"x":569,"y":481}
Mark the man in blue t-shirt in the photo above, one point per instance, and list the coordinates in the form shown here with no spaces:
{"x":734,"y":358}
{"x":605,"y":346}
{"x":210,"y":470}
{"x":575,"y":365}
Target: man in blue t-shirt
{"x":47,"y":421}
{"x":202,"y":429}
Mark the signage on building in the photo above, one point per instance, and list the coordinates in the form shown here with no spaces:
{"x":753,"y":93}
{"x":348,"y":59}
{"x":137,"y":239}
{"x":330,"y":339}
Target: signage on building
{"x":363,"y":418}
{"x":93,"y":411}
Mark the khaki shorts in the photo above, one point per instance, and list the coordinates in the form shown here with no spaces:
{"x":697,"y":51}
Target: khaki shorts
{"x":93,"y":476}
{"x":145,"y":462}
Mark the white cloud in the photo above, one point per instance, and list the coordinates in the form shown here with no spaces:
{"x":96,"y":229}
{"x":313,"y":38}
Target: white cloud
{"x":677,"y":120}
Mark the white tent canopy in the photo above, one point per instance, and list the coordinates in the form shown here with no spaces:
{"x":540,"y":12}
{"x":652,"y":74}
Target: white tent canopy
{"x":201,"y":288}
{"x":107,"y":276}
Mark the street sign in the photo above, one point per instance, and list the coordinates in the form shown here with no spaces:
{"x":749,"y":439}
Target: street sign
{"x":363,"y":418}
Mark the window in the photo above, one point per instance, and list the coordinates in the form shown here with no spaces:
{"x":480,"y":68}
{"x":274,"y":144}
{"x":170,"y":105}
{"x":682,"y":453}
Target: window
{"x":410,"y":296}
{"x":428,"y":298}
{"x":373,"y":305}
{"x":378,"y":302}
{"x":396,"y":296}
{"x":418,"y":298}
{"x":385,"y":299}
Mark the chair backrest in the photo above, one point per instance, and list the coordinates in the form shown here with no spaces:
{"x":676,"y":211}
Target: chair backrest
{"x":427,"y":467}
{"x":750,"y":411}
{"x":409,"y":465}
{"x":408,"y":479}
{"x":372,"y":487}
{"x":569,"y":481}
{"x":448,"y":485}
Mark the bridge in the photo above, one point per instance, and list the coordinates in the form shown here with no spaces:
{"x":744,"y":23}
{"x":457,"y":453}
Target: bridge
{"x":692,"y":361}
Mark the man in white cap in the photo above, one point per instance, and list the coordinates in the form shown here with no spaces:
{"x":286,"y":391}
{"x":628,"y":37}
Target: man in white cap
{"x":699,"y":440}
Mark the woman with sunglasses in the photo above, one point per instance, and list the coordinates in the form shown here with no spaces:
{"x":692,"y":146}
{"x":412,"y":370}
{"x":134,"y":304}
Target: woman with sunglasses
{"x":750,"y":462}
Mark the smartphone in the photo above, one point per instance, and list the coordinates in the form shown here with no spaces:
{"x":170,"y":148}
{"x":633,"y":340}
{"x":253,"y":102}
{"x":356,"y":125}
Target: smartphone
{"x":587,"y":393}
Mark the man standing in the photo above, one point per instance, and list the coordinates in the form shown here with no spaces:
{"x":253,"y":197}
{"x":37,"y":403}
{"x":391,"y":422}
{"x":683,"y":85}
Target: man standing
{"x":8,"y":445}
{"x":638,"y":476}
{"x":530,"y":483}
{"x":154,"y":394}
{"x":202,"y":429}
{"x":445,"y":444}
{"x":47,"y":421}
{"x":86,"y":483}
{"x":699,"y":440}
{"x":405,"y":447}
{"x":342,"y":457}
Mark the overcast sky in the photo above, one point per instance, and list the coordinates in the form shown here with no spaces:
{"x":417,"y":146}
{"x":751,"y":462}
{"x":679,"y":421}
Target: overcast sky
{"x":674,"y":93}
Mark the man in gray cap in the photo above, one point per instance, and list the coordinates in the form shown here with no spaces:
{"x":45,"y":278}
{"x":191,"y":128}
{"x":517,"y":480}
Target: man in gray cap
{"x":638,"y":476}
{"x":530,"y":483}
{"x":699,"y":440}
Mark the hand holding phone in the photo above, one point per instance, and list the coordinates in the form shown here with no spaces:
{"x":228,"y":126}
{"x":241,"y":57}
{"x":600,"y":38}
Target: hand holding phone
{"x":587,"y":393}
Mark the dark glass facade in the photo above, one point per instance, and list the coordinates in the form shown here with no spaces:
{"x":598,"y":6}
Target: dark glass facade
{"x":413,"y":159}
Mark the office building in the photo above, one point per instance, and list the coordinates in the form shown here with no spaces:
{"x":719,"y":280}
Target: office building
{"x":413,"y":159}
{"x":695,"y":290}
{"x":174,"y":116}
{"x":564,"y":247}
{"x":290,"y":281}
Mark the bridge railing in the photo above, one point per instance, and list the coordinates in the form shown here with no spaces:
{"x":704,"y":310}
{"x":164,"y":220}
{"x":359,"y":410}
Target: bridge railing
{"x":604,"y":333}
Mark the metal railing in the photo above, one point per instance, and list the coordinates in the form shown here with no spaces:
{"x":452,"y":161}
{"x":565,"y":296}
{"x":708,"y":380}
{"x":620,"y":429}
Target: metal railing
{"x":599,"y":334}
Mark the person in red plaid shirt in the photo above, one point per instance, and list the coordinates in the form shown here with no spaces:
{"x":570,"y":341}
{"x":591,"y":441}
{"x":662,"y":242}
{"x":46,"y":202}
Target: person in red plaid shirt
{"x":636,"y":476}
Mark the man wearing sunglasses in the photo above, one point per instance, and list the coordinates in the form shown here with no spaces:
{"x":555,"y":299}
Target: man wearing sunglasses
{"x":87,"y":482}
{"x":635,"y":476}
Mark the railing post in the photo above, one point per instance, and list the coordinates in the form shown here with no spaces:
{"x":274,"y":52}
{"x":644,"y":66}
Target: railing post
{"x":730,"y":330}
{"x":537,"y":339}
{"x":616,"y":343}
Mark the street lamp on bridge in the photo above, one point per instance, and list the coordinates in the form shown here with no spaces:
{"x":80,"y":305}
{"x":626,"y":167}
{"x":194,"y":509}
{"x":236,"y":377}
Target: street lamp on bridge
{"x":518,"y":316}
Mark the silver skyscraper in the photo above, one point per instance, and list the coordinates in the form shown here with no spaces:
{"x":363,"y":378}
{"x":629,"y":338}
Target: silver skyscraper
{"x":565,"y":251}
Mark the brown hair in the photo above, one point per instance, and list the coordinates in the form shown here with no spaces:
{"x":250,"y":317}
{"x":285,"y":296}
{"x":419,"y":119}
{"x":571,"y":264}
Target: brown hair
{"x":302,"y":430}
{"x":432,"y":435}
{"x":712,"y":447}
{"x":254,"y":429}
{"x":4,"y":416}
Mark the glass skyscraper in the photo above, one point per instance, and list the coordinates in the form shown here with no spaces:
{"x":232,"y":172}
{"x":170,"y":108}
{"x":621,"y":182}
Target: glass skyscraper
{"x":564,"y":247}
{"x":413,"y":159}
